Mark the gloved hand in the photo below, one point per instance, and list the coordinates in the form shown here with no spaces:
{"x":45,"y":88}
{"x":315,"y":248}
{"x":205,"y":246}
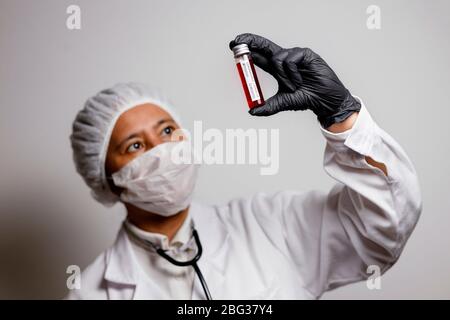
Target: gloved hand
{"x":305,"y":81}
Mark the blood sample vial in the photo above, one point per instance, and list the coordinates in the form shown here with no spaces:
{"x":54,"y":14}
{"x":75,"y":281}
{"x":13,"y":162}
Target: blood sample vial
{"x":247,"y":73}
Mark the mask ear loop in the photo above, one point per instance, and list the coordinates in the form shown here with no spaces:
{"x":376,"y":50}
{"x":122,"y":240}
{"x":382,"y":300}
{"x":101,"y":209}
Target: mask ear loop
{"x":112,"y":186}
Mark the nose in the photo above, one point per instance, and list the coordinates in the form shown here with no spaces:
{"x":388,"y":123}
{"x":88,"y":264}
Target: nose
{"x":152,"y":140}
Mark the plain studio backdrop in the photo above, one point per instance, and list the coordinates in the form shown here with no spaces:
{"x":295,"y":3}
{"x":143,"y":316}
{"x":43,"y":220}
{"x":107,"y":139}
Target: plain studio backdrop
{"x":48,"y":219}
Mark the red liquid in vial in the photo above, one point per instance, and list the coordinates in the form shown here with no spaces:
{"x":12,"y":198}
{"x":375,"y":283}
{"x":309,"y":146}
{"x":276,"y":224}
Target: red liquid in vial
{"x":254,"y":98}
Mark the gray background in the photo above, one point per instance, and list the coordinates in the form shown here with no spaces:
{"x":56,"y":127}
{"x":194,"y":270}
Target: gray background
{"x":48,"y":219}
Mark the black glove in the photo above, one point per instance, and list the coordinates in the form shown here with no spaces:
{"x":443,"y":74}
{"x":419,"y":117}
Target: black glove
{"x":305,"y":81}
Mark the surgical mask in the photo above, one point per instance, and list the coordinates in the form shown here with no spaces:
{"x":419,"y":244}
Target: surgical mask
{"x":159,"y":181}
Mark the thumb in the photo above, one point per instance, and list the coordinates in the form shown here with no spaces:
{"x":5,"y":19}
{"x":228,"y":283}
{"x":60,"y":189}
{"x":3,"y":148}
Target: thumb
{"x":272,"y":106}
{"x":282,"y":101}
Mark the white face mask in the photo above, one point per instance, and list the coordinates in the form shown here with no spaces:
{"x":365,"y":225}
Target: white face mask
{"x":157,"y":181}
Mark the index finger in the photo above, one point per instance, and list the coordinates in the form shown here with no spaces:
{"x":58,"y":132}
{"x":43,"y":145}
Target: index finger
{"x":256,"y":43}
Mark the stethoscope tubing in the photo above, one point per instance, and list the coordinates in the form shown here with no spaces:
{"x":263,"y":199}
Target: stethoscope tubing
{"x":192,"y":262}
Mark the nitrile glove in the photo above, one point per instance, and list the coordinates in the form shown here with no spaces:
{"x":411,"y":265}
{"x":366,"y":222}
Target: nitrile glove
{"x":305,"y":81}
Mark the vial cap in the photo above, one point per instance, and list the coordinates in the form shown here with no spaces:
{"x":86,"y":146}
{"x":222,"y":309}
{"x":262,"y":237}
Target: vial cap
{"x":240,"y":49}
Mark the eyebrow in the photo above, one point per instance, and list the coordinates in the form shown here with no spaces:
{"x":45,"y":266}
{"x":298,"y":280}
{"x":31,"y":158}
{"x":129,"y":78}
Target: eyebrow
{"x":136,"y":134}
{"x":131,"y":136}
{"x":160,"y":122}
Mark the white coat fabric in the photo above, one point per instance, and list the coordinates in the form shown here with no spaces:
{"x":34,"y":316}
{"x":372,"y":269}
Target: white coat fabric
{"x":174,"y":281}
{"x":290,"y":245}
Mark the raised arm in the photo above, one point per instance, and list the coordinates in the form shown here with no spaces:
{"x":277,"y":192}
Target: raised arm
{"x":369,"y":214}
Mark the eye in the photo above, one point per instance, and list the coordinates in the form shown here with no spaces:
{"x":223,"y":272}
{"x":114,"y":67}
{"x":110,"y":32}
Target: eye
{"x":134,"y":147}
{"x":167,"y":130}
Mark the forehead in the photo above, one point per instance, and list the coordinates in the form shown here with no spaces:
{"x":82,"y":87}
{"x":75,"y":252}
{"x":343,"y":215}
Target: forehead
{"x":139,"y":117}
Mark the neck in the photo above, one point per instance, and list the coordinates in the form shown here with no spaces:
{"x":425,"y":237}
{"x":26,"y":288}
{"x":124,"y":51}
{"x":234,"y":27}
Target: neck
{"x":153,"y":222}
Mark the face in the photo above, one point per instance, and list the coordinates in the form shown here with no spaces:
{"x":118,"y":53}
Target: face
{"x":137,"y":130}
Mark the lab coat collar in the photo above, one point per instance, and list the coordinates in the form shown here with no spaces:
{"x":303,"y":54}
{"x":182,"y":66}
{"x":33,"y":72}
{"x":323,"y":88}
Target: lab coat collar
{"x":181,"y":238}
{"x":121,"y":262}
{"x":122,"y":265}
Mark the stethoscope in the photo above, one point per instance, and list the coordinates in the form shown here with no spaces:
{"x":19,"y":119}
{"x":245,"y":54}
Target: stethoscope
{"x":192,"y":262}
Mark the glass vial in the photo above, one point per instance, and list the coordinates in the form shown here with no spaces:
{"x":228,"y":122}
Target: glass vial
{"x":248,"y":76}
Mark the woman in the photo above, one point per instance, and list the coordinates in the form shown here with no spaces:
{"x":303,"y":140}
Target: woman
{"x":288,"y":245}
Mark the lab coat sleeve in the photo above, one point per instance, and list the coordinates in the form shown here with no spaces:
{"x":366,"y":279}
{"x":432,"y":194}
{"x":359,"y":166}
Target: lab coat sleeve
{"x":364,"y":220}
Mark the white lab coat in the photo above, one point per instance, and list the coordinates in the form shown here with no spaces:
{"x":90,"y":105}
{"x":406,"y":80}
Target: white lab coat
{"x":290,"y":245}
